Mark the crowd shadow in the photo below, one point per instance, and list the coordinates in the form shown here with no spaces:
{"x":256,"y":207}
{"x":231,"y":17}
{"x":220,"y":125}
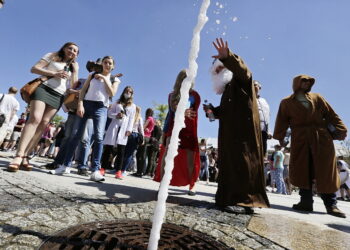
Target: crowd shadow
{"x":138,"y":195}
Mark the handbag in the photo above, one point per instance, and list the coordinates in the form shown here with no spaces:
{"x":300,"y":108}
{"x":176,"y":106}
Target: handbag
{"x":71,"y":101}
{"x":28,"y":89}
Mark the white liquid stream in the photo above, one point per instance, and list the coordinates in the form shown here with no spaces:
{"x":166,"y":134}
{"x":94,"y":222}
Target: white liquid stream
{"x":159,"y":210}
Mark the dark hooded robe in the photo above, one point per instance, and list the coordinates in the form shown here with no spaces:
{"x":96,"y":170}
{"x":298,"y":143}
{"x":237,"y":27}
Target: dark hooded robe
{"x":240,"y":151}
{"x":312,"y":155}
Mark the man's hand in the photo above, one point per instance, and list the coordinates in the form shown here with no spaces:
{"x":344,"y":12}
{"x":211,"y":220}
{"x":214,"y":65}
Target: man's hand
{"x":222,"y":48}
{"x":208,"y":107}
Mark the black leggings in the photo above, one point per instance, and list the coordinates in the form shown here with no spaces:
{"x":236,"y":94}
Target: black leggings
{"x":109,"y":153}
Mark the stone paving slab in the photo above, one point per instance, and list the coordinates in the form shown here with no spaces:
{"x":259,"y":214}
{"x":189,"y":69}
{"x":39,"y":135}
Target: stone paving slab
{"x":297,"y":234}
{"x":33,"y":210}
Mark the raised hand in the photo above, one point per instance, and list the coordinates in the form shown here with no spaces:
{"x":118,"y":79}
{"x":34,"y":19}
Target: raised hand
{"x":222,"y":48}
{"x":190,"y":113}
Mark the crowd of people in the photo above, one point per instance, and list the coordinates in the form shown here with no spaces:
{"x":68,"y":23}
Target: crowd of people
{"x":114,"y":136}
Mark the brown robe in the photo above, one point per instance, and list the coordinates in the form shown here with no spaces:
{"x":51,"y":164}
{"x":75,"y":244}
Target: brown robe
{"x":312,"y":153}
{"x":241,"y":171}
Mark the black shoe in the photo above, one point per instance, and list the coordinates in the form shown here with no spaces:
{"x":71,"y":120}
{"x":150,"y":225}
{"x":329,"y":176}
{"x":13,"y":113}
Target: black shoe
{"x":237,"y":210}
{"x":249,"y":210}
{"x":51,"y":166}
{"x":191,"y":193}
{"x":136,"y":175}
{"x":83,"y":172}
{"x":303,"y":207}
{"x":335,"y":211}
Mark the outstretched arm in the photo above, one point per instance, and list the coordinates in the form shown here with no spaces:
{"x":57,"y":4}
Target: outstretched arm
{"x":231,"y":61}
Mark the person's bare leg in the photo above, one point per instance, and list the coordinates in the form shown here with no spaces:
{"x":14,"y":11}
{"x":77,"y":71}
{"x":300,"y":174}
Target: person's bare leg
{"x":37,"y":109}
{"x":49,"y":112}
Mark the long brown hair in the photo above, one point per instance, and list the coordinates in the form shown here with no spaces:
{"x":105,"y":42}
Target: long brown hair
{"x":123,"y":100}
{"x":176,"y":94}
{"x":60,"y":53}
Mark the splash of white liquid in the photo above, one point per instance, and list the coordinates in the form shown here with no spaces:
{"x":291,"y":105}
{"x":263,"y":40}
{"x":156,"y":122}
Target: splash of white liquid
{"x":159,"y":210}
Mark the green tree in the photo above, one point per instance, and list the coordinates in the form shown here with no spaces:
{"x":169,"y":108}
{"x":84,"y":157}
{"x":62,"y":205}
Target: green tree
{"x":57,"y":119}
{"x":160,"y":111}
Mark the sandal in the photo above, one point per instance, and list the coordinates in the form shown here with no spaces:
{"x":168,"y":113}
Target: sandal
{"x":14,"y":167}
{"x":27,"y":166}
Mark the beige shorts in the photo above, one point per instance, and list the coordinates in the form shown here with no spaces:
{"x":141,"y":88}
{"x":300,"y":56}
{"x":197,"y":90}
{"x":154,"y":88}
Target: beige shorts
{"x":15,"y":135}
{"x":8,"y":135}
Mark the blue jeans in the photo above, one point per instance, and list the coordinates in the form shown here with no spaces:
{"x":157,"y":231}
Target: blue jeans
{"x":130,"y":148}
{"x":84,"y":145}
{"x":71,"y":128}
{"x":204,"y":168}
{"x":281,"y":186}
{"x":98,"y":113}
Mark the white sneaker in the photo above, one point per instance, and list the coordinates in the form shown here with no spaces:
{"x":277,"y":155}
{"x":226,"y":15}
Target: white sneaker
{"x":61,"y":170}
{"x":96,"y":176}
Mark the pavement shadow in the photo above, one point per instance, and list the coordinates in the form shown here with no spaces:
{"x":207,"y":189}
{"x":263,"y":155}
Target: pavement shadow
{"x":178,"y":192}
{"x":14,"y":230}
{"x":340,"y":227}
{"x":285,"y":208}
{"x":134,"y":194}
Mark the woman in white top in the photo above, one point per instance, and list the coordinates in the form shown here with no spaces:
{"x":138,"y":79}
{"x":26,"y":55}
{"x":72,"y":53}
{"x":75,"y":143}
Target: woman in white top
{"x":94,"y":100}
{"x":134,"y":140}
{"x":62,"y":70}
{"x":122,"y":113}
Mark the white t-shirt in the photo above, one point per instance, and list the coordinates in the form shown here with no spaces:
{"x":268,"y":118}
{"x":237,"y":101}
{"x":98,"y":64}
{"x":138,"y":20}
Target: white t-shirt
{"x":264,"y":113}
{"x":58,"y":84}
{"x":97,"y":91}
{"x":8,"y":106}
{"x":12,"y":123}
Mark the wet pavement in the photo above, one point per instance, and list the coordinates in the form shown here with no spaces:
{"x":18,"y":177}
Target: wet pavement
{"x":35,"y":205}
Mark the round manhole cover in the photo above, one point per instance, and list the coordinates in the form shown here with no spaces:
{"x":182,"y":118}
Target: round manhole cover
{"x":128,"y":234}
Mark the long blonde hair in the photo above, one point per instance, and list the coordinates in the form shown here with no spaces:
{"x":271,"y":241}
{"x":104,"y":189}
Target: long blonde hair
{"x":137,"y":114}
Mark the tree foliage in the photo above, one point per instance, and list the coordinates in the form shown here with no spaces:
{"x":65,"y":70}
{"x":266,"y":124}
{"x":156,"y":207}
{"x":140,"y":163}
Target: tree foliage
{"x":160,"y":111}
{"x":57,"y":119}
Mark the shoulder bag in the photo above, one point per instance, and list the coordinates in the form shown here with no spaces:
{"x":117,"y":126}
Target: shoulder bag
{"x":28,"y":89}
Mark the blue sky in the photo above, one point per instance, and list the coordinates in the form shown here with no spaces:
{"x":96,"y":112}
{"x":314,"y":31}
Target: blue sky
{"x":150,"y":40}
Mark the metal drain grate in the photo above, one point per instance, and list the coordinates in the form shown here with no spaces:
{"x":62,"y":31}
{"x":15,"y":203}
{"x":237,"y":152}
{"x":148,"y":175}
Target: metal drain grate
{"x":128,"y":234}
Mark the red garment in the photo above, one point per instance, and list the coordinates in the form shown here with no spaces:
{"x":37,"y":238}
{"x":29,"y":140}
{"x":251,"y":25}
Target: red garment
{"x":188,"y":140}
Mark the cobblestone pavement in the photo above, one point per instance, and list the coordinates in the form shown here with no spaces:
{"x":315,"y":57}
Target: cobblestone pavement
{"x":32,"y":210}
